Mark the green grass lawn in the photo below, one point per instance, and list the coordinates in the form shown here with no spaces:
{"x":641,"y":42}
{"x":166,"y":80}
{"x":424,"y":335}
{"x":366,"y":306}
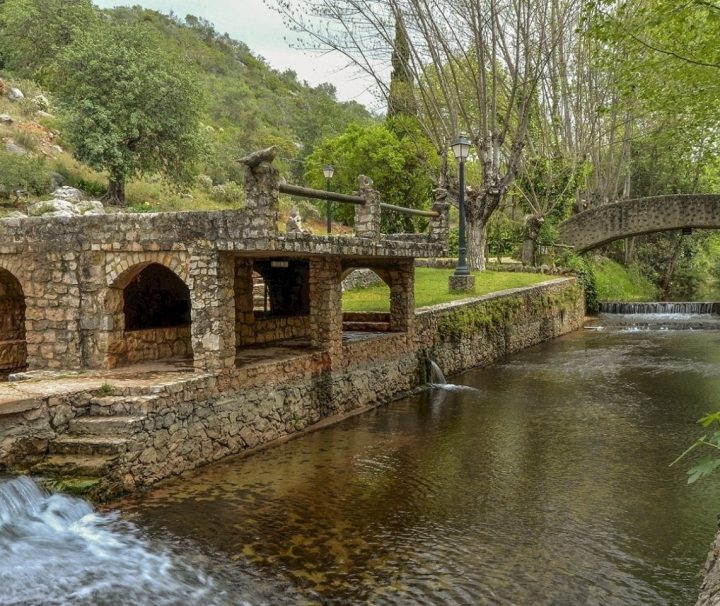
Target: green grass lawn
{"x":431,"y":288}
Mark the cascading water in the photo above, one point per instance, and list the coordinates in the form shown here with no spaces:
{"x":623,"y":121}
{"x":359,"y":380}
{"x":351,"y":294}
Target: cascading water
{"x":658,"y":315}
{"x":55,"y":549}
{"x":660,"y":307}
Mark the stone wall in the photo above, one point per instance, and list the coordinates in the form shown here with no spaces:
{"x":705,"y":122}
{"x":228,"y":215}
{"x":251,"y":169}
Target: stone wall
{"x":180,"y":424}
{"x":153,"y":344}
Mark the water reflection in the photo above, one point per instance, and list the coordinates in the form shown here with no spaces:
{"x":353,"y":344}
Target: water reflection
{"x":547,"y":484}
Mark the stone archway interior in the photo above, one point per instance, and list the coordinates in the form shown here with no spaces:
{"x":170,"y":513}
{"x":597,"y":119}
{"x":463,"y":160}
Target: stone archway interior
{"x":13,"y":345}
{"x":156,"y":298}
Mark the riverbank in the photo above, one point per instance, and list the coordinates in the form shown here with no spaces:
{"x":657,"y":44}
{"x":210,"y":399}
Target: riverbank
{"x":136,"y":429}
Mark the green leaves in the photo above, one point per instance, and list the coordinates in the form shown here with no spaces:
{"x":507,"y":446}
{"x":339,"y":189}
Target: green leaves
{"x":708,"y":463}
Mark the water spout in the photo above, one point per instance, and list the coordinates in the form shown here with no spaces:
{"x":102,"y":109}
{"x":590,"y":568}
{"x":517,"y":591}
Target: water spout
{"x":436,"y":374}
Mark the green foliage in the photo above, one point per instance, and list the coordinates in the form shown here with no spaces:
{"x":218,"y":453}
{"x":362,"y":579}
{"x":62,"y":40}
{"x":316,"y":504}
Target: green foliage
{"x":586,"y":273}
{"x":33,"y":32}
{"x":614,"y":282}
{"x":399,"y":166}
{"x":503,"y":235}
{"x":708,"y":463}
{"x":28,"y":173}
{"x":129,"y":108}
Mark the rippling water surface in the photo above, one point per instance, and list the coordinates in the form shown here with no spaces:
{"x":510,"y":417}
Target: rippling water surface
{"x":546,"y":484}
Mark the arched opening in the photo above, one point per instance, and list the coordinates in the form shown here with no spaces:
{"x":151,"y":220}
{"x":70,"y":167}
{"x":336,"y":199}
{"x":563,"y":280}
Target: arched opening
{"x":151,"y":311}
{"x":156,"y":298}
{"x":13,"y":345}
{"x":365,"y":303}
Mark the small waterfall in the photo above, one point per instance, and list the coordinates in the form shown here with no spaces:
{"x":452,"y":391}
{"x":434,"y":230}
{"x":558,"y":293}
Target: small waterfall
{"x":55,"y":549}
{"x":436,"y":374}
{"x":660,"y":307}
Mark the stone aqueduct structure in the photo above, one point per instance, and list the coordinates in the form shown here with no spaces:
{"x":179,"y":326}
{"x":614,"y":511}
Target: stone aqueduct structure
{"x":604,"y":224}
{"x":105,"y":291}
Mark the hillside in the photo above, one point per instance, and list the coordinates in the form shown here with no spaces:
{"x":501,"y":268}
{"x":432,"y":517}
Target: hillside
{"x":248,"y":104}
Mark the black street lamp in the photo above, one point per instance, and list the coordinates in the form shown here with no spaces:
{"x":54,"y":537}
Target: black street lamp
{"x":461,"y":149}
{"x":328,"y":171}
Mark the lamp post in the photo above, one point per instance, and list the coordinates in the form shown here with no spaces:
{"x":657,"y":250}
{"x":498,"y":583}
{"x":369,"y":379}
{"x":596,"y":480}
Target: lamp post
{"x":461,"y":149}
{"x":328,"y":171}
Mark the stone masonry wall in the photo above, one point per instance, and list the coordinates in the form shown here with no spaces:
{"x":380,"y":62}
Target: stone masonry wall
{"x":189,"y":422}
{"x":154,"y":344}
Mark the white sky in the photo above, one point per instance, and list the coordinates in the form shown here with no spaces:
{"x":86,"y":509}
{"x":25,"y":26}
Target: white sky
{"x":264,"y":32}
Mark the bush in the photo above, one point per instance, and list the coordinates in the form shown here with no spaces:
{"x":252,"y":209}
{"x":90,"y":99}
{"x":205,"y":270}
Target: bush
{"x":23,"y":172}
{"x":229,"y":193}
{"x":586,"y":274}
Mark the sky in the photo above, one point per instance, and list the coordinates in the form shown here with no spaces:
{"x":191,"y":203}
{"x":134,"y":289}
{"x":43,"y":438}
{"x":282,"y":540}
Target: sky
{"x":262,"y":29}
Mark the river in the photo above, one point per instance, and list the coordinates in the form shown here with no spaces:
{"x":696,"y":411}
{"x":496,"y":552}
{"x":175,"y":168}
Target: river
{"x":547,"y":483}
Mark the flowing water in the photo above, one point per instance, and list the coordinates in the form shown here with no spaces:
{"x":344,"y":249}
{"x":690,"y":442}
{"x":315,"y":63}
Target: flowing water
{"x":547,"y":484}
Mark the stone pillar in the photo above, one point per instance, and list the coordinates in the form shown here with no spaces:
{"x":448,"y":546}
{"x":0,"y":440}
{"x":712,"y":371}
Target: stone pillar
{"x":93,"y":328}
{"x":402,"y":296}
{"x":326,"y":304}
{"x":440,"y":226}
{"x":212,"y":296}
{"x":261,"y":192}
{"x":367,"y":216}
{"x":244,"y":302}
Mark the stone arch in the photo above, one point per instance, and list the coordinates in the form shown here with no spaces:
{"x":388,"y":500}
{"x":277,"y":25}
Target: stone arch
{"x":604,"y":224}
{"x":364,"y":281}
{"x":121,"y":270}
{"x":148,"y":315}
{"x":13,"y":339}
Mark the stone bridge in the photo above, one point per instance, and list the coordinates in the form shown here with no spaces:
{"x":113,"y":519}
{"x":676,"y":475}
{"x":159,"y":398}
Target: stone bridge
{"x":604,"y":224}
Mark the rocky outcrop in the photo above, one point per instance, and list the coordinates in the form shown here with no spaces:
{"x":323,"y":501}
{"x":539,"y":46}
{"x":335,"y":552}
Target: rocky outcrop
{"x":710,"y":589}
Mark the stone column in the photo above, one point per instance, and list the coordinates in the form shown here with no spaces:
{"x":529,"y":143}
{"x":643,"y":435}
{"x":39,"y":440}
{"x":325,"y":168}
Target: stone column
{"x":261,"y":192}
{"x":93,"y":331}
{"x":212,"y":282}
{"x":244,"y":303}
{"x":440,"y":226}
{"x":367,"y":216}
{"x":402,"y":296}
{"x":326,"y":304}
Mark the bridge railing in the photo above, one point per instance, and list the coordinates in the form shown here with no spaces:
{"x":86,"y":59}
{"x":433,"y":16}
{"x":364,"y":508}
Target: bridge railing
{"x":263,"y":186}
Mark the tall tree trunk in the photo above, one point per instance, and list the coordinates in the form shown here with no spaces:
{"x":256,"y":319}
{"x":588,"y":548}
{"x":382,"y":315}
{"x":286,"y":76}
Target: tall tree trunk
{"x":116,"y":191}
{"x":533,"y":223}
{"x":476,"y":241}
{"x":629,"y":246}
{"x":670,"y":267}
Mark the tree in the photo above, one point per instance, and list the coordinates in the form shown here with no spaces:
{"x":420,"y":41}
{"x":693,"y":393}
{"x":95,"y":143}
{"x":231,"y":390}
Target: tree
{"x":33,"y":32}
{"x":475,"y":66}
{"x":399,"y":166}
{"x":128,"y":107}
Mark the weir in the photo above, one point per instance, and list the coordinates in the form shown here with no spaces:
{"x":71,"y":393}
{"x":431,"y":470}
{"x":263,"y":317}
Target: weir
{"x":660,"y":307}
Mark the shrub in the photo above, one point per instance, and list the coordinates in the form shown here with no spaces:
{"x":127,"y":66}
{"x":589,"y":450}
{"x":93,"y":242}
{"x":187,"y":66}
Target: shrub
{"x":587,"y":278}
{"x":230,"y":193}
{"x":23,"y":172}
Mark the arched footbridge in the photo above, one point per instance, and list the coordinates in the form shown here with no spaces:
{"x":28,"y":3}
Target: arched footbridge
{"x":604,"y":224}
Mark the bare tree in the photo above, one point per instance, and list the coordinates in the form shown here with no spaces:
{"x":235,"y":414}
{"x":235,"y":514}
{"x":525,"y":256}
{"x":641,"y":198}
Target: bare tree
{"x":475,"y":65}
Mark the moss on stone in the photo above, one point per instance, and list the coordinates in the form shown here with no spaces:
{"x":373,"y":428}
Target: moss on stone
{"x":81,"y":487}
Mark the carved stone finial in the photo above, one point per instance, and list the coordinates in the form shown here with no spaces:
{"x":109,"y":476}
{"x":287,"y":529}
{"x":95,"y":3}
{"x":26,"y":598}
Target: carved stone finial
{"x":256,"y":158}
{"x":365,"y":182}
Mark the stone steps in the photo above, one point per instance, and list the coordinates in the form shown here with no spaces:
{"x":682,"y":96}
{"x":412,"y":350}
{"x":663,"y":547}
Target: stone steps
{"x":74,"y":466}
{"x":89,"y":445}
{"x":106,"y":425}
